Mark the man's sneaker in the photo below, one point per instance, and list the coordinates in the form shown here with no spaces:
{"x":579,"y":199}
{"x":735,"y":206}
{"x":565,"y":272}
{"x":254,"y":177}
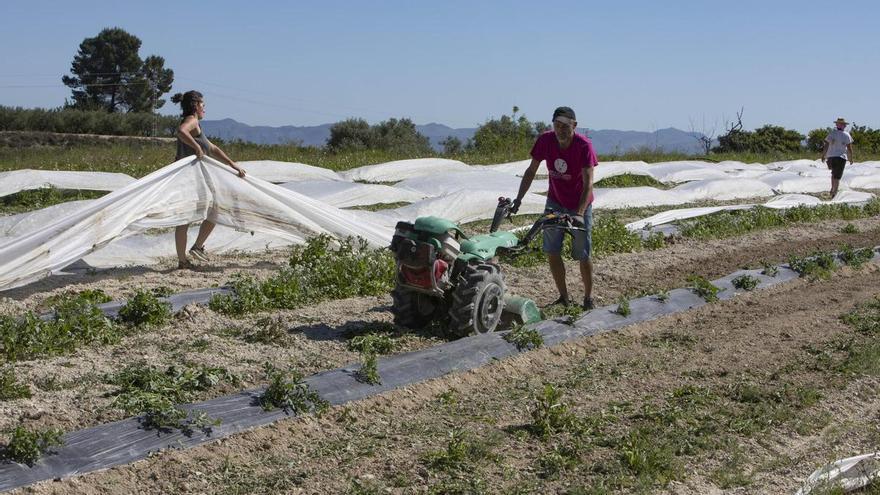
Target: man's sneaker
{"x":198,"y":253}
{"x":588,"y":303}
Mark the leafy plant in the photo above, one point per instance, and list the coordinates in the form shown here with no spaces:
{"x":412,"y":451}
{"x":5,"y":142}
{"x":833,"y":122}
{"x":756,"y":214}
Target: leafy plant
{"x":849,"y":229}
{"x":549,"y":413}
{"x":10,"y":388}
{"x":369,"y":371}
{"x":287,"y":391}
{"x":372,"y":343}
{"x":655,"y":241}
{"x":27,"y":446}
{"x":769,"y":269}
{"x":745,"y":282}
{"x":856,"y":257}
{"x":623,"y":308}
{"x":267,"y":330}
{"x":662,"y":296}
{"x":524,"y":338}
{"x":460,"y":453}
{"x":703,"y":288}
{"x":144,"y":308}
{"x":816,"y":266}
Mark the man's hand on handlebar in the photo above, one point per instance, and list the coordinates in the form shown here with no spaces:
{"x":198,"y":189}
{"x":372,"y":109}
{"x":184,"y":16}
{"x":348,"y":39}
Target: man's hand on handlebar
{"x":515,"y":206}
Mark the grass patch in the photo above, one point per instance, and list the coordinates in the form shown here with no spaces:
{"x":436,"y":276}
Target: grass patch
{"x":731,"y":223}
{"x":316,"y":272}
{"x":288,"y":392}
{"x":630,"y":180}
{"x":27,"y":446}
{"x":10,"y":388}
{"x":35,"y":199}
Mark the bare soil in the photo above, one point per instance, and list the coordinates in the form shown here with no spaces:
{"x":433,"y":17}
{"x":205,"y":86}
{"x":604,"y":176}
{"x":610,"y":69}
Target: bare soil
{"x":382,"y":443}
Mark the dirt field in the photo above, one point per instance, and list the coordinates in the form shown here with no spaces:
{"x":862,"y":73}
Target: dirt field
{"x":729,"y":398}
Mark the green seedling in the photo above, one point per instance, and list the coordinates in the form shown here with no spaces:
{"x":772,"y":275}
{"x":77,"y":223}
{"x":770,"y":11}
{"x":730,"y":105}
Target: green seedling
{"x":703,"y":288}
{"x":769,"y":269}
{"x":27,"y":446}
{"x":369,"y":371}
{"x":662,"y":296}
{"x":623,"y":308}
{"x":745,"y":282}
{"x":372,"y":343}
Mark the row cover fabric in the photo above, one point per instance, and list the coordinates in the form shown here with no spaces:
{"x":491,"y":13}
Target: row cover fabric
{"x":26,"y":179}
{"x":189,"y":190}
{"x":778,"y":202}
{"x":278,"y":172}
{"x":346,"y":194}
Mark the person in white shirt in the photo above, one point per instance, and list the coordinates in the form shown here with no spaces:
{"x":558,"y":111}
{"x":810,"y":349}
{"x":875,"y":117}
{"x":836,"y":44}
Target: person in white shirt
{"x":837,"y":150}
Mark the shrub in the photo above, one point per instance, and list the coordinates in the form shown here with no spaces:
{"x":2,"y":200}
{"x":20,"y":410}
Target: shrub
{"x":144,"y":308}
{"x":27,"y":446}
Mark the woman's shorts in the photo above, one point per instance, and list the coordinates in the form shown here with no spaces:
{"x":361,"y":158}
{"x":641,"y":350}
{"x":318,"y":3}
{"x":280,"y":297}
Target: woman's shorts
{"x":581,"y":242}
{"x":836,"y":164}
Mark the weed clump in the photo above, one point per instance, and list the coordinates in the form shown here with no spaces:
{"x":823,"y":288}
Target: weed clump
{"x":745,"y":282}
{"x":369,"y":370}
{"x":855,"y":257}
{"x":460,"y":453}
{"x":315,"y":273}
{"x":10,"y":388}
{"x":144,"y":308}
{"x":27,"y":446}
{"x":623,"y":308}
{"x":815,"y":266}
{"x":288,"y":392}
{"x":703,"y":288}
{"x":75,"y":321}
{"x":267,"y":330}
{"x":144,"y":389}
{"x":549,"y":413}
{"x":524,"y":338}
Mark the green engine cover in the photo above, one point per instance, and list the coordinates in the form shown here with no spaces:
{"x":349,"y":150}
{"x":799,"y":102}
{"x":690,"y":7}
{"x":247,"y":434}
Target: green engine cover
{"x":435,"y":225}
{"x":483,"y":247}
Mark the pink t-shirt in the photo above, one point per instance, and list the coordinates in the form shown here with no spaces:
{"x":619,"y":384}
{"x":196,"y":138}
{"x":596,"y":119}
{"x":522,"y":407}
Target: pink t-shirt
{"x":566,"y":167}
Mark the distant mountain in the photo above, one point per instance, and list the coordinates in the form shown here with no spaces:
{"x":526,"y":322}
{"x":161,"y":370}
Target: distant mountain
{"x":605,"y":141}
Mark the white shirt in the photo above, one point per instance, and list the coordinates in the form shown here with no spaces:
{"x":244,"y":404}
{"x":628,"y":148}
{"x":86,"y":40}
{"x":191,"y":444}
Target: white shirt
{"x":837,"y":141}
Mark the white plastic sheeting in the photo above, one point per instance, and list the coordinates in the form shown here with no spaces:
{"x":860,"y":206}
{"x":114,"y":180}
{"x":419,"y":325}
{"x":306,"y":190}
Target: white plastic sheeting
{"x":517,"y":168}
{"x":462,"y":206}
{"x":22,"y":180}
{"x":500,"y":183}
{"x":721,"y":189}
{"x":848,"y":474}
{"x":777,"y":202}
{"x":189,"y":190}
{"x":346,"y":194}
{"x":404,"y":169}
{"x":278,"y":172}
{"x":637,"y":197}
{"x":790,"y":182}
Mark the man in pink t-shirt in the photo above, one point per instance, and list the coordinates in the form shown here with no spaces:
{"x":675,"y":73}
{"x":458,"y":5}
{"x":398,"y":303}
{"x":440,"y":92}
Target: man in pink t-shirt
{"x":570,"y":160}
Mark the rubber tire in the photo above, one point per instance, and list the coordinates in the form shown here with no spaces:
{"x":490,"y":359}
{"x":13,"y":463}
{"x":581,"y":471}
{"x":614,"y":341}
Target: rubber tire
{"x":412,"y":309}
{"x":478,"y":301}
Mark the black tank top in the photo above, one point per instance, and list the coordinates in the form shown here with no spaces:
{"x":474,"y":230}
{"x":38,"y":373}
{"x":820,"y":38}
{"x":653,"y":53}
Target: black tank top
{"x":184,"y":150}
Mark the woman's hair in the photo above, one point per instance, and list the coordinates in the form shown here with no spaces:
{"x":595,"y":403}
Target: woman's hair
{"x":188,"y":101}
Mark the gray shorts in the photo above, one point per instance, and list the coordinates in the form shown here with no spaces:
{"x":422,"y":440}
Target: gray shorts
{"x":581,"y":242}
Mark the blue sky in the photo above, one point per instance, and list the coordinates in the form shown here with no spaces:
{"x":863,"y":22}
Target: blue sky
{"x":630,"y":65}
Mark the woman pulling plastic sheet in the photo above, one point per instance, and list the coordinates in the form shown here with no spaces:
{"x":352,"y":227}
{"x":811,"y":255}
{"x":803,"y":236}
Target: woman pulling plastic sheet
{"x":192,"y":141}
